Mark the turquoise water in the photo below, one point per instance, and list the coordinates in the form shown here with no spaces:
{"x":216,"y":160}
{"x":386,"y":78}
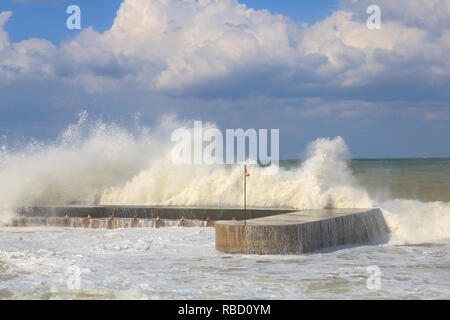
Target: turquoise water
{"x":420,"y":179}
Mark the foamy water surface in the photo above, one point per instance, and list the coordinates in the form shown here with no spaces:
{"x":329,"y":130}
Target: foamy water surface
{"x":98,"y":163}
{"x":182,"y":263}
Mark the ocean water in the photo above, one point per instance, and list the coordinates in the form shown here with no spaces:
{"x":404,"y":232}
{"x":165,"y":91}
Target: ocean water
{"x":182,"y":263}
{"x":107,"y":164}
{"x":415,"y":178}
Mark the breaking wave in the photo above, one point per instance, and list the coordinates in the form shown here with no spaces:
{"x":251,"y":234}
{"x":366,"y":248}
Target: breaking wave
{"x":99,"y":163}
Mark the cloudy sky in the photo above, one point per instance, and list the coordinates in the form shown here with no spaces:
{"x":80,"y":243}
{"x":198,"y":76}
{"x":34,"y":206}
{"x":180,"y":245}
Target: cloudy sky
{"x":310,"y":68}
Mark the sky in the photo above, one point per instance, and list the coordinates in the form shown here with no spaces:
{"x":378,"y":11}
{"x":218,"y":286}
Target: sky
{"x":309,"y":68}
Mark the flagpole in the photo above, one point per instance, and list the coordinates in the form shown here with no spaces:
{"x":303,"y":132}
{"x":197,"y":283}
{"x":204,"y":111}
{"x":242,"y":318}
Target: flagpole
{"x":245,"y":194}
{"x":246,"y":174}
{"x":245,"y":188}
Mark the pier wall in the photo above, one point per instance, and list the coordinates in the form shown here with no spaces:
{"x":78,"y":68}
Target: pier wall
{"x":255,"y":231}
{"x":295,"y":233}
{"x":147,"y":212}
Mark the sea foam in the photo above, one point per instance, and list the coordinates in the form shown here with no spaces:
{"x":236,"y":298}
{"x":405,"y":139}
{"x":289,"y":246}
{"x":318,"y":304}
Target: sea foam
{"x":100,"y":163}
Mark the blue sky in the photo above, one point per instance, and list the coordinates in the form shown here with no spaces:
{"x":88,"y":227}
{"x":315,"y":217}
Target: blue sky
{"x":382,"y":91}
{"x":47,"y":20}
{"x":43,"y":19}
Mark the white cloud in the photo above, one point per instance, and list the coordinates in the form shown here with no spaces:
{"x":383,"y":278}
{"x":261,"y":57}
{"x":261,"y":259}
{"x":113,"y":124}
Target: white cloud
{"x":31,"y":58}
{"x":182,"y":46}
{"x":4,"y":38}
{"x":432,"y":15}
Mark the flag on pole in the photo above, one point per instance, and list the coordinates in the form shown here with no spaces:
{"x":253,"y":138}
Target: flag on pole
{"x":246,"y":174}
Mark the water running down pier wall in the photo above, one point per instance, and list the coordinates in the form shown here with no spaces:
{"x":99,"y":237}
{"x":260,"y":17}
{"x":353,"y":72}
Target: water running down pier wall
{"x":255,"y":231}
{"x":302,"y":231}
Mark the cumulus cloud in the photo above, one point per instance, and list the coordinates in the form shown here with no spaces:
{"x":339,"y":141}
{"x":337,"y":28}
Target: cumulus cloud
{"x":4,"y":39}
{"x":432,"y":15}
{"x":222,"y":48}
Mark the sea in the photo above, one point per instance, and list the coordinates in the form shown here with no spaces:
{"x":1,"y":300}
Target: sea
{"x":109,"y":165}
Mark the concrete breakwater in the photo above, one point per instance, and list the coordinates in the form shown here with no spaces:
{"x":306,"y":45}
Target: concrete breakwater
{"x":255,"y":231}
{"x":302,"y":231}
{"x":107,"y":223}
{"x":148,"y":212}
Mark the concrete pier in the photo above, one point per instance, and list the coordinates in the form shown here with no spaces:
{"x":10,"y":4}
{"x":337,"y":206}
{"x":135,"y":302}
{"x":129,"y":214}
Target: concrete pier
{"x":256,"y":231}
{"x":106,"y":223}
{"x":148,"y":212}
{"x":302,"y":231}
